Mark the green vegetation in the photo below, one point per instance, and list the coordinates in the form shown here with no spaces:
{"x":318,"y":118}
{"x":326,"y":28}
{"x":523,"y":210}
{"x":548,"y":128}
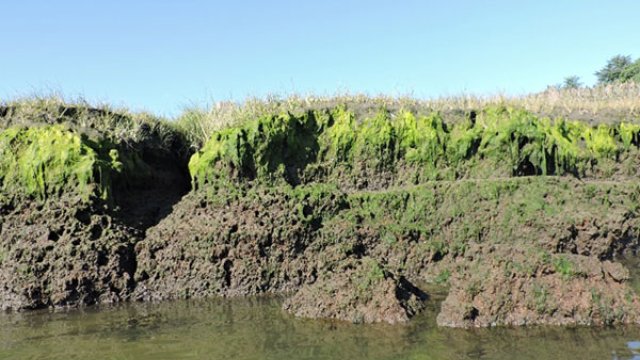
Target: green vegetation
{"x":99,"y":123}
{"x":43,"y":161}
{"x":351,"y":142}
{"x":331,"y":145}
{"x":393,"y":187}
{"x":620,"y":68}
{"x":370,"y":274}
{"x":572,"y":82}
{"x":564,"y":267}
{"x":443,"y":277}
{"x":49,"y":146}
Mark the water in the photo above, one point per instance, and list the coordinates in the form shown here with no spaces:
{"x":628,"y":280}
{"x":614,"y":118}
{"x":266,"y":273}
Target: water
{"x":258,"y":329}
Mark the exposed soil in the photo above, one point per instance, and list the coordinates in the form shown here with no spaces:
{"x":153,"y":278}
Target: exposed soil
{"x":239,"y":247}
{"x":335,"y":254}
{"x":143,"y":205}
{"x":510,"y":286}
{"x":260,"y":241}
{"x":359,"y":292}
{"x":66,"y":252}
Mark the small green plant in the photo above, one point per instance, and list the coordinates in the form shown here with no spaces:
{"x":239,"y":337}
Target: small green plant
{"x":564,"y":267}
{"x":443,"y":277}
{"x":474,"y":288}
{"x":541,"y":295}
{"x":371,"y":273}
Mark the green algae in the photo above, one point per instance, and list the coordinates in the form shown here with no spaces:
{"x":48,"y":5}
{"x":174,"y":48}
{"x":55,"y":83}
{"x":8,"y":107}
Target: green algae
{"x":629,"y":134}
{"x":444,"y":218}
{"x":333,"y":145}
{"x":337,"y":136}
{"x":45,"y":161}
{"x":273,"y":148}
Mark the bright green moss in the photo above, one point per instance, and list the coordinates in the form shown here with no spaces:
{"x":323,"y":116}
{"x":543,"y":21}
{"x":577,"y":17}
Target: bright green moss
{"x":420,"y":139}
{"x":45,"y":161}
{"x":269,"y":148}
{"x":407,"y":148}
{"x":229,"y":146}
{"x":629,"y":134}
{"x":600,"y":140}
{"x":376,"y":142}
{"x":338,"y":136}
{"x":562,"y":144}
{"x":462,"y":141}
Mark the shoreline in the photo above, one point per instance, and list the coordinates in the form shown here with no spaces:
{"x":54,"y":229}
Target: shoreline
{"x":523,"y":218}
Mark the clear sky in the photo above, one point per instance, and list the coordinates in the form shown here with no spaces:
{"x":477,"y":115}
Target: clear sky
{"x":163,"y":55}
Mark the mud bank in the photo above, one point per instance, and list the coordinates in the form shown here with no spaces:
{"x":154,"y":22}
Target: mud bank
{"x":77,"y":194}
{"x":522,"y":218}
{"x":505,"y":249}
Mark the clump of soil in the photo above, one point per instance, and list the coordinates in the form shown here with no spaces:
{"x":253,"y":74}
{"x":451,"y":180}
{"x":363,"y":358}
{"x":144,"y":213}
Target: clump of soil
{"x":244,"y":244}
{"x":66,"y":251}
{"x":360,"y":292}
{"x":63,"y":253}
{"x":510,"y":286}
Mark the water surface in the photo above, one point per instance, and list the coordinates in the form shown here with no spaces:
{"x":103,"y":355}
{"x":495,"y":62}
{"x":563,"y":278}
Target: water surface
{"x":257,"y":328}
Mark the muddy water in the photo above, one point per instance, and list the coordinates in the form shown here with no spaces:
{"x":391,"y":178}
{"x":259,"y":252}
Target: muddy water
{"x":258,"y":329}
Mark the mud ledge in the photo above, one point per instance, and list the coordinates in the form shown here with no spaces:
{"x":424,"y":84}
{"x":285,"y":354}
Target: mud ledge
{"x":507,"y":260}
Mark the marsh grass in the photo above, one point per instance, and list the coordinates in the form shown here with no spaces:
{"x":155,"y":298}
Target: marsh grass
{"x":285,"y":136}
{"x":600,"y":104}
{"x":96,"y":121}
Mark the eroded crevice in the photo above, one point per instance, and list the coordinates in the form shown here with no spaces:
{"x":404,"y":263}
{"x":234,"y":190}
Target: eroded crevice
{"x":144,"y":205}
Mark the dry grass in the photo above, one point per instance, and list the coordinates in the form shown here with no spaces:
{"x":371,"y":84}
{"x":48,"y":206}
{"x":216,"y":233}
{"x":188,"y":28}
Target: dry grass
{"x":601,"y":104}
{"x":101,"y":121}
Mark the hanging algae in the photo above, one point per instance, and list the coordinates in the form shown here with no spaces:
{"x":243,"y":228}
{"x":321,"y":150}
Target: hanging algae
{"x":45,"y":161}
{"x":293,"y":147}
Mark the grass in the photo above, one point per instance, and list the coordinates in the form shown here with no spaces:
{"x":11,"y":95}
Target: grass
{"x":301,"y":139}
{"x":97,"y":122}
{"x":600,"y":104}
{"x":564,"y":267}
{"x":49,"y":145}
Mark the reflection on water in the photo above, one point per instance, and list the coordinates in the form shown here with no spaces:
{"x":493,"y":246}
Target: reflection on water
{"x":258,"y":329}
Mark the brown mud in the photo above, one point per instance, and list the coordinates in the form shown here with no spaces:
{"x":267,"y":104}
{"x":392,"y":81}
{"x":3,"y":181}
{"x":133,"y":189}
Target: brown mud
{"x":508,"y":261}
{"x":65,"y":251}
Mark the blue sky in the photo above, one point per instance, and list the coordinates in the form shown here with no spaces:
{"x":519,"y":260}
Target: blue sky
{"x":161,"y":56}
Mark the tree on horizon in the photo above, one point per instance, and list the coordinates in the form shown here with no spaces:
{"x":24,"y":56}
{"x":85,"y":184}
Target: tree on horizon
{"x":620,"y":68}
